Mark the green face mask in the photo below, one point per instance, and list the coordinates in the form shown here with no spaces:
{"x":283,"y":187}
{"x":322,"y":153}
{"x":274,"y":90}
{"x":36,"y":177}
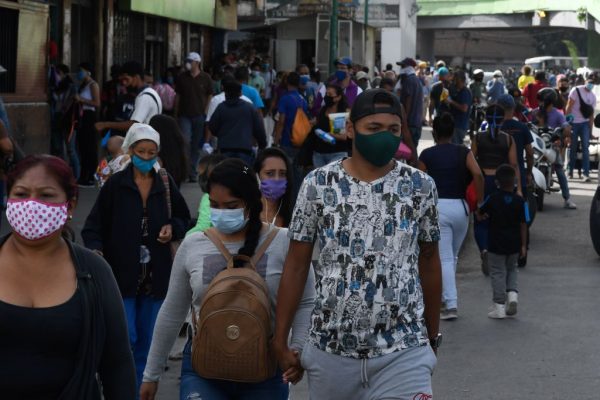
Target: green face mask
{"x":378,"y":148}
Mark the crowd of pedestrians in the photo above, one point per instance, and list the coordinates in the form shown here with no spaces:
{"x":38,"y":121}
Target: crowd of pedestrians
{"x":318,"y":216}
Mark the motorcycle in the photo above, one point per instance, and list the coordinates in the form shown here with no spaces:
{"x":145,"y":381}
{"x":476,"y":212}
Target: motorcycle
{"x":544,"y":156}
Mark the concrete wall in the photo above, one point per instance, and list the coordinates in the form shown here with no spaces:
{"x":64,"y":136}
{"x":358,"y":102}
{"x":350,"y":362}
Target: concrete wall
{"x":287,"y":35}
{"x":401,"y":42}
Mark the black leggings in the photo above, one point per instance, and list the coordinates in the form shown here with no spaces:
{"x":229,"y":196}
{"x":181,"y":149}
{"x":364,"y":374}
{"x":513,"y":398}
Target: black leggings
{"x":87,"y":146}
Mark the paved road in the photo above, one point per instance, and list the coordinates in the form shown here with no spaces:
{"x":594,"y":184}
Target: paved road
{"x":549,"y":351}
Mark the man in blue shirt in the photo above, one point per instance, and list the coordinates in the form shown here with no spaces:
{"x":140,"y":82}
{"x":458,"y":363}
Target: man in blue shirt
{"x":242,"y":76}
{"x":411,"y":97}
{"x":460,"y":101}
{"x":287,"y":109}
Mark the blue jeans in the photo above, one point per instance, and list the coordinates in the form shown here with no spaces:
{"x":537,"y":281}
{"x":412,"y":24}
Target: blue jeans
{"x":141,"y":313}
{"x":194,"y":387}
{"x":580,"y":130}
{"x":481,"y":228}
{"x":297,"y":171}
{"x":192,"y":129}
{"x":562,"y":181}
{"x":74,"y":156}
{"x":458,"y":137}
{"x":415,"y":132}
{"x":322,"y":159}
{"x":246,"y":157}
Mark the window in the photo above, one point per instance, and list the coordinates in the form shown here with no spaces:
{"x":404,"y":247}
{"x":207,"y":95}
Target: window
{"x":9,"y":27}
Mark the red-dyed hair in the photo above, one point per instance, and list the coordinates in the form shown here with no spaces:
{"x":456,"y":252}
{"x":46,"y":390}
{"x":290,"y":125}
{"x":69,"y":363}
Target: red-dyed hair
{"x":53,"y":165}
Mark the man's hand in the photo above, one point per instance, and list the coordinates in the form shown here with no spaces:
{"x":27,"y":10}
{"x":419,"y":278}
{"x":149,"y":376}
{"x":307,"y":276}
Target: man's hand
{"x":166,"y":234}
{"x":523,"y":252}
{"x":148,"y":390}
{"x":289,"y":362}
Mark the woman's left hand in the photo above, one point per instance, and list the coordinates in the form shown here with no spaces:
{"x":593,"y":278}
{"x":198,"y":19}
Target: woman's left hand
{"x":166,"y":234}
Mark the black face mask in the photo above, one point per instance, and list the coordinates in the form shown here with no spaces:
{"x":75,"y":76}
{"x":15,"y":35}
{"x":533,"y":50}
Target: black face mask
{"x":132,"y":90}
{"x":328,"y":101}
{"x":563,"y":88}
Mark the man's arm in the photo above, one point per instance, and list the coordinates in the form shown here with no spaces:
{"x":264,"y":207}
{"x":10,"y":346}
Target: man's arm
{"x":569,"y":107}
{"x":291,"y":288}
{"x":430,"y":273}
{"x":523,"y":252}
{"x":529,"y":160}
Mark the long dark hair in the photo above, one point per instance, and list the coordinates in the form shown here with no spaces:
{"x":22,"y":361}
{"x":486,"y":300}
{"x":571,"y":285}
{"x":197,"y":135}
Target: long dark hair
{"x":240,"y":179}
{"x":286,"y":201}
{"x":172,"y":149}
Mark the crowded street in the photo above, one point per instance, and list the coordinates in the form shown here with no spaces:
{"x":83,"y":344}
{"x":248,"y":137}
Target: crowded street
{"x":299,"y":199}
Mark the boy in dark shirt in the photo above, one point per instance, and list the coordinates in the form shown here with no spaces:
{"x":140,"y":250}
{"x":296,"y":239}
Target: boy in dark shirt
{"x":507,"y":241}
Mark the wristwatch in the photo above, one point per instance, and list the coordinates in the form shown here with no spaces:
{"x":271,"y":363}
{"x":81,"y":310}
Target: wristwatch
{"x":437,"y":342}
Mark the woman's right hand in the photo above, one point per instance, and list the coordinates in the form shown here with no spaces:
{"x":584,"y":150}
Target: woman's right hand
{"x":148,"y":390}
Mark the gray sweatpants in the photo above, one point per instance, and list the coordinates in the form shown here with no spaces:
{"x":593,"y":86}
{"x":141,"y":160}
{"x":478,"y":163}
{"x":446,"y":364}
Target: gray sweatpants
{"x":403,"y":375}
{"x":503,"y":273}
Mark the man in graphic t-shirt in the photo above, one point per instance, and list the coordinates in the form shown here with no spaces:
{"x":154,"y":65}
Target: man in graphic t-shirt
{"x":398,"y":203}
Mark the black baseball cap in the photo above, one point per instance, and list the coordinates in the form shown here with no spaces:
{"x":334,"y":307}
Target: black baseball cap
{"x":364,"y":105}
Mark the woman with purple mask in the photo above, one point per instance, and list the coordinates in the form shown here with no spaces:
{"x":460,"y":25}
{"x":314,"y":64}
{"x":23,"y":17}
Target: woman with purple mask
{"x":274,"y":172}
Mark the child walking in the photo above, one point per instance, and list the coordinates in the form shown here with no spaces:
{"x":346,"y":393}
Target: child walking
{"x":507,"y":214}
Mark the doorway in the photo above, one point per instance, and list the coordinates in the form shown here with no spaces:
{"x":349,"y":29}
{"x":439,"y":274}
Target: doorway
{"x":305,"y":53}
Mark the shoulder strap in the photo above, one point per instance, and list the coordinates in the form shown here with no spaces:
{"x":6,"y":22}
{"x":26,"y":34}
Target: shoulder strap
{"x":165,"y":180}
{"x":153,"y":98}
{"x":579,"y":94}
{"x":265,"y":245}
{"x":212,"y":235}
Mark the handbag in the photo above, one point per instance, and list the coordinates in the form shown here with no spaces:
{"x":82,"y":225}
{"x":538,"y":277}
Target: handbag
{"x":586,"y":110}
{"x":174,"y":244}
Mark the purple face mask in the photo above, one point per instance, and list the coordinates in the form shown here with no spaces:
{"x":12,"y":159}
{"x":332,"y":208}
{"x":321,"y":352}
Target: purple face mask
{"x":273,"y":189}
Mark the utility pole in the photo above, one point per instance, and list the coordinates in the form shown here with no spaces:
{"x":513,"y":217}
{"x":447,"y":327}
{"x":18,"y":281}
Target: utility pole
{"x":333,"y":35}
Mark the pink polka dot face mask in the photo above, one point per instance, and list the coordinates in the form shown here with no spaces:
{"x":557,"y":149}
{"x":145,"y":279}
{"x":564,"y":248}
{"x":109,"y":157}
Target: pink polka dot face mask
{"x":34,"y":219}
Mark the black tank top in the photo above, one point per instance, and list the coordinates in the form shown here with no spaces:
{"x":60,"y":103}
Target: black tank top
{"x":492,"y":152}
{"x":39,"y":349}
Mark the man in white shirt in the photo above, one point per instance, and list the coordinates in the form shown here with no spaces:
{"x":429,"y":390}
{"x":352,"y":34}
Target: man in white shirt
{"x":147,"y":102}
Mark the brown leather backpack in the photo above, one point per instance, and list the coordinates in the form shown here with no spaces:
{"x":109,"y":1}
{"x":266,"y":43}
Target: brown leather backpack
{"x":233,"y":327}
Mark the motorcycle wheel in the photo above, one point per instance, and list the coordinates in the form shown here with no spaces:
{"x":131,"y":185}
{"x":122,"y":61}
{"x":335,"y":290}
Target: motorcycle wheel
{"x":539,"y":198}
{"x":595,"y":221}
{"x":532,"y":203}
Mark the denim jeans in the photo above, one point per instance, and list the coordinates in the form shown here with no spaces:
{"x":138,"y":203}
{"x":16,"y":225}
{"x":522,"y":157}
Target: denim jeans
{"x":74,"y":157}
{"x":481,"y":228}
{"x":194,"y":387}
{"x":246,"y":157}
{"x":415,"y":132}
{"x":141,"y":313}
{"x":458,"y":137}
{"x":297,"y":171}
{"x":562,"y":181}
{"x":192,"y":129}
{"x":580,"y":130}
{"x":454,"y":223}
{"x":322,"y":159}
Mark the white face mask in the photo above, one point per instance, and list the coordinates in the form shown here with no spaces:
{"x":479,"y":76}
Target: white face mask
{"x":33,"y":219}
{"x":188,"y":66}
{"x":407,"y":71}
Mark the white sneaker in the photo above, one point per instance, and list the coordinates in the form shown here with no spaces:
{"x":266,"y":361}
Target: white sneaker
{"x":569,"y":205}
{"x":586,"y":179}
{"x":511,"y":304}
{"x":498,"y":311}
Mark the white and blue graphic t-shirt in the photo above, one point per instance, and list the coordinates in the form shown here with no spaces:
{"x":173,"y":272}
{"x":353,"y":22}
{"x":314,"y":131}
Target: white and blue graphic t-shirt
{"x":369,"y":300}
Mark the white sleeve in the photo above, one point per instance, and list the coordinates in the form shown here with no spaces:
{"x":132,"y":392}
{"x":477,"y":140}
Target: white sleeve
{"x":212,"y":106}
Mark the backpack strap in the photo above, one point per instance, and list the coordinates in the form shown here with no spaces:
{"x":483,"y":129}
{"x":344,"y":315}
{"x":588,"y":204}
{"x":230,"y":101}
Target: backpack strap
{"x":212,"y":235}
{"x":153,"y":98}
{"x":264,"y":246}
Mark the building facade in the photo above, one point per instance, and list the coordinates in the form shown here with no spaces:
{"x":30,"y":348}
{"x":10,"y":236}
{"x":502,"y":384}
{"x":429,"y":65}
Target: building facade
{"x":34,"y":34}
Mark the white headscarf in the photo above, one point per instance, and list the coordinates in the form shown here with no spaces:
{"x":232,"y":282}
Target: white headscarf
{"x":139,"y":132}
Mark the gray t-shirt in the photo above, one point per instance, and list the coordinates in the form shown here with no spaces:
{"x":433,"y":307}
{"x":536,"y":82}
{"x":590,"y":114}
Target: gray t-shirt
{"x":197,"y":262}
